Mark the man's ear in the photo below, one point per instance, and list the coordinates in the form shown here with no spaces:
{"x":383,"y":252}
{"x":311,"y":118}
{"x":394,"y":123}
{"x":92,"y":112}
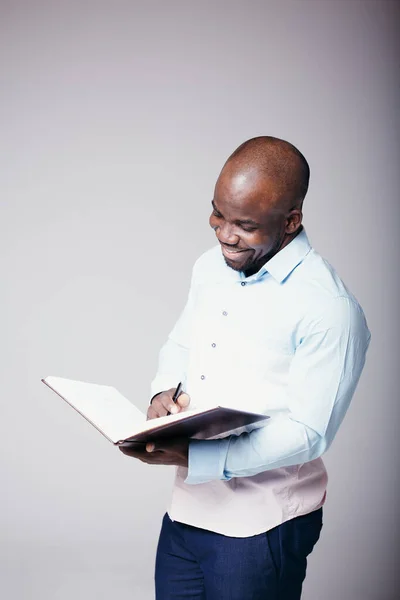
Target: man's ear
{"x":293,"y":220}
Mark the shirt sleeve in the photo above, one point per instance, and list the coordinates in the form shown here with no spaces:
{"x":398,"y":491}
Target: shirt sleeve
{"x":174,"y":354}
{"x":323,"y":376}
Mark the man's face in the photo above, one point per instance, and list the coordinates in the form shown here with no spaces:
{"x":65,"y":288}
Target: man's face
{"x":247,"y":219}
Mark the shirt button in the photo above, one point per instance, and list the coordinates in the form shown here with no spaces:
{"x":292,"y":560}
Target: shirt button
{"x":243,"y":283}
{"x":213,"y":344}
{"x":224,"y":313}
{"x":203,"y":377}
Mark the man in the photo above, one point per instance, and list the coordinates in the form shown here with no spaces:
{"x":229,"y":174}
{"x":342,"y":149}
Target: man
{"x":269,"y":327}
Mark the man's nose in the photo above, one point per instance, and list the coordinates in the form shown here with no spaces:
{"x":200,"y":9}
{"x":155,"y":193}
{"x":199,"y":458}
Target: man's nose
{"x":226,"y":234}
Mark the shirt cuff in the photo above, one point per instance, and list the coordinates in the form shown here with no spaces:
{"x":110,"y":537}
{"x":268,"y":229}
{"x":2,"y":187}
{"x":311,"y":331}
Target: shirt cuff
{"x":207,"y":460}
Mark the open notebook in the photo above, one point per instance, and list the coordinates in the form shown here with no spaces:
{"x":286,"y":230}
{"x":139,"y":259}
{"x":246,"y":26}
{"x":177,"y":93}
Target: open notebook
{"x":121,"y":422}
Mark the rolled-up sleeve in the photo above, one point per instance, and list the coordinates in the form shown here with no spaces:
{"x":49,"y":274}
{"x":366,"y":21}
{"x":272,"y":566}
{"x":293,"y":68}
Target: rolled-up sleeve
{"x":323,"y":376}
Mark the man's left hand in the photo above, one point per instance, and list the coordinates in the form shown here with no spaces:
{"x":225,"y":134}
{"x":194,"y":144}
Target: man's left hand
{"x":173,"y":452}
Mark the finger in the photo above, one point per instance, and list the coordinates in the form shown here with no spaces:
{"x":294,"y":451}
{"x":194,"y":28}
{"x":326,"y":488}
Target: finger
{"x":168,"y":405}
{"x":161,"y":446}
{"x":157,"y":408}
{"x":133,"y":450}
{"x":151,"y":413}
{"x":163,"y":404}
{"x":183,"y":400}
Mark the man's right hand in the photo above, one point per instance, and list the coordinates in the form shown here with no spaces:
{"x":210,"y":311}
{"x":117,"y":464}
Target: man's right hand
{"x":162,"y":404}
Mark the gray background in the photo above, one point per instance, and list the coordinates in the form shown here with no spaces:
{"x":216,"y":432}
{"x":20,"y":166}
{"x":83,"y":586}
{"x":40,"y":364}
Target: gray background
{"x":116,"y":118}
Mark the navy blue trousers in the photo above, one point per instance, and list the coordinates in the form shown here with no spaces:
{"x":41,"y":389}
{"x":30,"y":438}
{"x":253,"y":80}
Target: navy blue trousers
{"x":203,"y":565}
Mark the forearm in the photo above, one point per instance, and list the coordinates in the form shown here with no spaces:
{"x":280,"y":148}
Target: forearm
{"x":281,"y":443}
{"x":322,"y":378}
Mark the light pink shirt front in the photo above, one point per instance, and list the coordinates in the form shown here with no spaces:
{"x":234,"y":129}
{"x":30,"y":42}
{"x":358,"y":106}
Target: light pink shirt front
{"x":245,"y":506}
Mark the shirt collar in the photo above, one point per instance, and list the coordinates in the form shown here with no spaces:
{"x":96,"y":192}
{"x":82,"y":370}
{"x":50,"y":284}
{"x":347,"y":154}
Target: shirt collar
{"x":287,"y":259}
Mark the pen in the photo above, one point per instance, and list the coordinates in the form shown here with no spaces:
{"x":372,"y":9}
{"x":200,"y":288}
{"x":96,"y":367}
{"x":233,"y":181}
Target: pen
{"x":176,"y":394}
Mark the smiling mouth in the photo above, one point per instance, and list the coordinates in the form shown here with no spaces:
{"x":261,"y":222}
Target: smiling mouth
{"x":231,"y":253}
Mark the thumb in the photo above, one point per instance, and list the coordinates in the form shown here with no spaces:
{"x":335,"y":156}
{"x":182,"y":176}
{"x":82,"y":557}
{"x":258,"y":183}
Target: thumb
{"x":183,"y":400}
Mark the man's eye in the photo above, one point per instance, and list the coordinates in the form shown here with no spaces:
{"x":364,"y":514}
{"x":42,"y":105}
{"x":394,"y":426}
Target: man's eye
{"x":216,"y":214}
{"x":248,"y":228}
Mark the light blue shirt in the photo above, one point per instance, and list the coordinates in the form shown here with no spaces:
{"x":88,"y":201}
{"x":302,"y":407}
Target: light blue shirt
{"x":290,"y":342}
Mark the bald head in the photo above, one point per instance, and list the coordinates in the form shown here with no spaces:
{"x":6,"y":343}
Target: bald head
{"x":275,"y":161}
{"x":257,"y":202}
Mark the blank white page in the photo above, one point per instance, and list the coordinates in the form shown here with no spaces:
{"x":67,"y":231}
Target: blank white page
{"x":102,"y":405}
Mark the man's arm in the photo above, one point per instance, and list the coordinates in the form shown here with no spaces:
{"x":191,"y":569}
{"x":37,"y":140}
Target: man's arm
{"x":323,"y":376}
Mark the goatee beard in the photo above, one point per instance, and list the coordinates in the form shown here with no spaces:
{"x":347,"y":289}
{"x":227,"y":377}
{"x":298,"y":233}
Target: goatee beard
{"x":233,"y":267}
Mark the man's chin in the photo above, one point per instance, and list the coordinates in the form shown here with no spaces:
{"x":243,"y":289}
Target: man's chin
{"x":236,"y":266}
{"x":240,"y":260}
{"x":232,"y":265}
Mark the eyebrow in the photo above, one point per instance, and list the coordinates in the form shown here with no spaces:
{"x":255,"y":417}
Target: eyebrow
{"x":241,"y":221}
